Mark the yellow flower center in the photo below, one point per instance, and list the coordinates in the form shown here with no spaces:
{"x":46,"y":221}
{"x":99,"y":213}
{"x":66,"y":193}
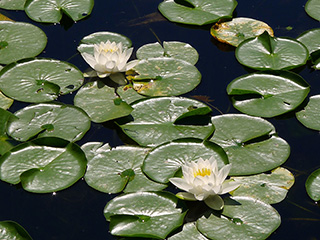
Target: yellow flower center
{"x":202,"y":172}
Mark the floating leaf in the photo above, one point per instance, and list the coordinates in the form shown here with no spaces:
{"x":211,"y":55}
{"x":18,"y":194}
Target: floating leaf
{"x":251,"y":143}
{"x":91,"y":149}
{"x":5,"y":102}
{"x":268,"y":94}
{"x":313,"y":185}
{"x":39,"y":80}
{"x":312,"y":8}
{"x":269,"y":188}
{"x":49,"y":120}
{"x":177,"y":50}
{"x":154,"y":121}
{"x":51,"y":11}
{"x":144,"y":214}
{"x":239,"y":29}
{"x":128,"y":94}
{"x":43,"y":165}
{"x":197,"y":12}
{"x":310,"y":39}
{"x":4,"y":144}
{"x":310,"y":115}
{"x":241,"y":218}
{"x":265,"y":52}
{"x":113,"y":170}
{"x":165,"y":77}
{"x":164,"y":161}
{"x":20,"y":40}
{"x":100,"y":102}
{"x":10,"y":230}
{"x":189,"y":231}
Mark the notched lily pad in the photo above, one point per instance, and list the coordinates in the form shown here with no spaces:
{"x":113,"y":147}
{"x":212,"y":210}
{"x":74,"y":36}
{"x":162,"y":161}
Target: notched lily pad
{"x":239,"y":29}
{"x":313,"y":185}
{"x":10,"y":230}
{"x":310,"y":115}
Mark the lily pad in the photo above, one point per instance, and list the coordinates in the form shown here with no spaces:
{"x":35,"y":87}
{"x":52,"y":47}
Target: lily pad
{"x":154,"y":121}
{"x":43,"y":165}
{"x":91,"y":149}
{"x":251,"y":143}
{"x":114,"y":170}
{"x":100,"y":102}
{"x":271,"y":53}
{"x":164,"y":161}
{"x":165,"y":77}
{"x":128,"y":94}
{"x":10,"y":230}
{"x":177,"y":50}
{"x":241,"y":218}
{"x":312,"y":8}
{"x":20,"y":40}
{"x":197,"y":12}
{"x":310,"y":39}
{"x":269,"y":188}
{"x":268,"y":94}
{"x":39,"y":80}
{"x":5,"y":102}
{"x":313,"y":185}
{"x":12,"y":5}
{"x":310,"y":115}
{"x":5,"y":145}
{"x":51,"y":11}
{"x":189,"y":231}
{"x":144,"y":214}
{"x":49,"y":120}
{"x":239,"y":29}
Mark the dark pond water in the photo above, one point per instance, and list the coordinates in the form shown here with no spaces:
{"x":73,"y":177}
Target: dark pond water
{"x":77,"y":213}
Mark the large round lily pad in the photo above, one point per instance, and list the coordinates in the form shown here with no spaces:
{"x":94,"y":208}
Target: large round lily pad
{"x":49,"y":120}
{"x":274,"y":53}
{"x":164,"y":161}
{"x":313,"y":185}
{"x":39,"y":80}
{"x":144,"y":214}
{"x":268,"y":94}
{"x":43,"y":165}
{"x":159,"y":120}
{"x":100,"y":102}
{"x":310,"y":115}
{"x":113,"y":170}
{"x":239,"y":29}
{"x":10,"y":230}
{"x":165,"y":77}
{"x":197,"y":12}
{"x":251,"y":143}
{"x":242,"y":218}
{"x":51,"y":11}
{"x":12,"y":5}
{"x":312,"y":8}
{"x":189,"y":231}
{"x":20,"y":40}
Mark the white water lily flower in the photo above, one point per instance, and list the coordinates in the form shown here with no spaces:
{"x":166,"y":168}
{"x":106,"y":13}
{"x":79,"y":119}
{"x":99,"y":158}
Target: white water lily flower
{"x":203,"y":181}
{"x":109,"y":58}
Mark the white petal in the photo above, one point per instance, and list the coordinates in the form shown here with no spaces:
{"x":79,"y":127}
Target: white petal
{"x":223,"y":173}
{"x":215,"y":202}
{"x":131,"y":64}
{"x":89,"y":59}
{"x":180,"y":183}
{"x":229,"y":186}
{"x":103,"y":75}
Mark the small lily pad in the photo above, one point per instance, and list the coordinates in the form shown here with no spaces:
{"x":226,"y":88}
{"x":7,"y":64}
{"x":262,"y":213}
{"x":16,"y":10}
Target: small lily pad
{"x":269,"y":188}
{"x":251,"y":143}
{"x":268,"y":94}
{"x":239,"y":29}
{"x":10,"y":230}
{"x":20,"y":40}
{"x":49,"y":120}
{"x":312,"y":8}
{"x":310,"y":39}
{"x":39,"y":80}
{"x":12,"y":5}
{"x":271,"y":53}
{"x":197,"y":12}
{"x":100,"y":102}
{"x":189,"y":231}
{"x":144,"y":214}
{"x":51,"y":11}
{"x":313,"y":185}
{"x":310,"y":115}
{"x":5,"y":102}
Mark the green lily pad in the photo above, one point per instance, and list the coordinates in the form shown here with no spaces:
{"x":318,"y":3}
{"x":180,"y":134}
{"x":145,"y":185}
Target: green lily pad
{"x":164,"y":161}
{"x":10,"y":230}
{"x":269,"y":188}
{"x":128,"y":94}
{"x":5,"y":102}
{"x":241,"y":218}
{"x":119,"y":168}
{"x":177,"y":50}
{"x":20,"y":40}
{"x":100,"y":102}
{"x":39,"y":80}
{"x":313,"y":185}
{"x":268,"y":94}
{"x":51,"y":11}
{"x":197,"y":12}
{"x":312,"y":8}
{"x":164,"y":77}
{"x":310,"y":39}
{"x":239,"y":29}
{"x":91,"y":149}
{"x":12,"y":5}
{"x":5,"y":145}
{"x":251,"y":143}
{"x":49,"y":120}
{"x":310,"y":115}
{"x":43,"y":165}
{"x":270,"y":53}
{"x":144,"y":214}
{"x":189,"y":231}
{"x":154,"y":121}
